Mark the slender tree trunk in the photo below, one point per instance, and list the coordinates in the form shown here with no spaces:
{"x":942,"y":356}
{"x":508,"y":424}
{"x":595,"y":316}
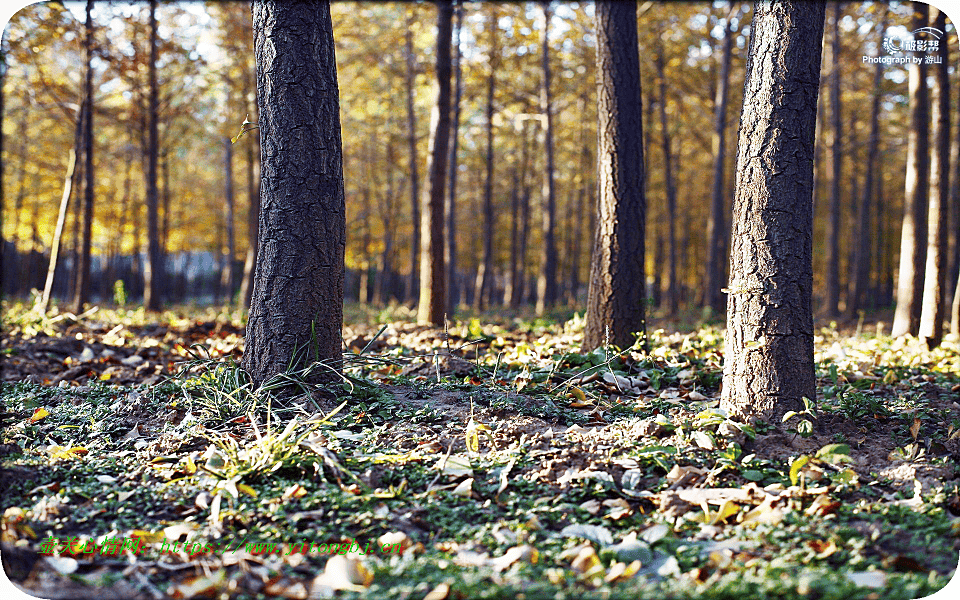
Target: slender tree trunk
{"x":510,"y":286}
{"x":913,"y":237}
{"x":547,"y":280}
{"x":768,"y":361}
{"x":411,"y":82}
{"x":716,"y":223}
{"x":954,"y":269}
{"x":3,"y":245}
{"x":671,"y":189}
{"x":153,"y":271}
{"x":861,"y":268}
{"x":519,"y":271}
{"x":432,"y":273}
{"x":485,"y":272}
{"x":615,"y":302}
{"x":450,"y":206}
{"x":296,"y":314}
{"x":81,"y":293}
{"x":836,"y":169}
{"x":58,"y":231}
{"x":935,"y":275}
{"x":226,"y":275}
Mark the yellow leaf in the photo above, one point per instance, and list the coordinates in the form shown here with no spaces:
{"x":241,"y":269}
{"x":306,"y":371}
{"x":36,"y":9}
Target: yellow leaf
{"x":246,"y":489}
{"x":472,"y":435}
{"x":38,"y":414}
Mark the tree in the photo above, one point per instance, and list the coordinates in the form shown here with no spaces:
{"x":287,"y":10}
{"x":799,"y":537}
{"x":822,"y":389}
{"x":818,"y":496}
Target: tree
{"x":411,"y":81}
{"x":226,"y":275}
{"x":935,"y":275}
{"x":450,"y":206}
{"x":669,"y":183}
{"x":485,"y":272}
{"x":547,"y":280}
{"x":432,"y":274}
{"x":153,"y":270}
{"x":716,"y":224}
{"x":615,"y":310}
{"x":914,"y":233}
{"x":296,"y":313}
{"x":861,"y":259}
{"x":768,"y":364}
{"x":836,"y":169}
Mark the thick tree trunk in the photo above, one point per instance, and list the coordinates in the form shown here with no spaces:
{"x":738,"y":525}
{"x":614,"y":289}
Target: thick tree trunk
{"x":615,"y":302}
{"x":153,"y":270}
{"x":935,"y":273}
{"x":832,"y":285}
{"x":450,"y":205}
{"x":768,"y":361}
{"x":296,"y":314}
{"x":861,"y":267}
{"x":411,"y":82}
{"x":547,"y":280}
{"x":81,"y":293}
{"x":432,"y":273}
{"x":716,"y":223}
{"x":671,"y":189}
{"x":226,"y":276}
{"x":913,"y":237}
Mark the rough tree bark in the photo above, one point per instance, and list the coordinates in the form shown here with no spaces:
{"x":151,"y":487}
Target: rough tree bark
{"x":547,"y":280}
{"x":615,"y":301}
{"x":935,"y":275}
{"x":913,"y":236}
{"x":716,"y":223}
{"x":768,"y":364}
{"x":296,"y":313}
{"x":153,"y":269}
{"x":433,"y":286}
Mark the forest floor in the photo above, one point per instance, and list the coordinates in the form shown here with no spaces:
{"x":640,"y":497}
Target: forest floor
{"x":490,"y":460}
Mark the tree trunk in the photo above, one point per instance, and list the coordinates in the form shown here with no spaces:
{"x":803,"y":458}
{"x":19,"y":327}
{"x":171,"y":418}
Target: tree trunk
{"x":935,"y":275}
{"x":450,"y":206}
{"x":954,"y":269}
{"x":432,"y":273}
{"x":153,"y":270}
{"x":81,"y":293}
{"x":485,"y":273}
{"x":716,"y":223}
{"x":547,"y":280}
{"x":519,"y":248}
{"x":3,"y":81}
{"x":226,"y":275}
{"x":411,"y":82}
{"x":768,"y":363}
{"x":832,"y":285}
{"x":296,"y":314}
{"x":913,"y":238}
{"x":510,"y":285}
{"x":861,"y":267}
{"x":615,"y":302}
{"x":671,"y":189}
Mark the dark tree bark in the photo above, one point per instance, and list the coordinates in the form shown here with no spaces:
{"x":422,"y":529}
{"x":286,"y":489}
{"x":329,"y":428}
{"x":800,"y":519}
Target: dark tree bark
{"x":832,"y":283}
{"x":226,"y":275}
{"x":547,"y":280}
{"x":954,"y":269}
{"x":768,"y":363}
{"x":411,"y":82}
{"x":913,"y":237}
{"x":935,"y":275}
{"x":615,"y":302}
{"x":450,"y":206}
{"x":432,"y":273}
{"x":861,"y":266}
{"x":296,"y":314}
{"x":672,"y":300}
{"x":485,"y":272}
{"x":716,"y":223}
{"x":81,"y":293}
{"x":153,"y":269}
